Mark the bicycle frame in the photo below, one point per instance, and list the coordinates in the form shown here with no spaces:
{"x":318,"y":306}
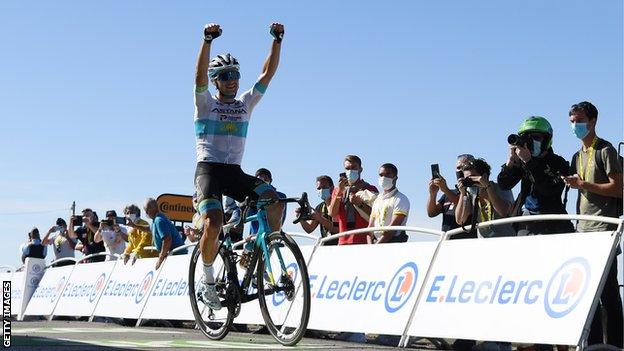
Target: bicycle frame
{"x":259,"y":246}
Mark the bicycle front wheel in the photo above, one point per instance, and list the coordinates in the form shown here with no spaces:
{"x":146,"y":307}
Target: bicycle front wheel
{"x":214,"y":324}
{"x":284,"y":289}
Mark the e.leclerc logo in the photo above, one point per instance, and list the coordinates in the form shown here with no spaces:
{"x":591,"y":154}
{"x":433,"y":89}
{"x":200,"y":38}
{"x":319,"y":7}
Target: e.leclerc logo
{"x":57,"y":290}
{"x":144,"y":287}
{"x":99,"y":285}
{"x":561,"y":295}
{"x":395,"y":291}
{"x":567,"y":287}
{"x":401,"y":287}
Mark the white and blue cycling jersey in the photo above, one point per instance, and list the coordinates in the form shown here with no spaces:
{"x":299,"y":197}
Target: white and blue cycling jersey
{"x":221,"y":128}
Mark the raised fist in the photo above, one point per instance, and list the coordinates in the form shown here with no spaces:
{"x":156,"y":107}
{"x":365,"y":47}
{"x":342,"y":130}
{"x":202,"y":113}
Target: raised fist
{"x":212,"y":31}
{"x":277,"y":31}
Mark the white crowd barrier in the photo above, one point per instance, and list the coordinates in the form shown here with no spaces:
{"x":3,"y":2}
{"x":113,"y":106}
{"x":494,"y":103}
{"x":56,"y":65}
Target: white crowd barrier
{"x":498,"y":289}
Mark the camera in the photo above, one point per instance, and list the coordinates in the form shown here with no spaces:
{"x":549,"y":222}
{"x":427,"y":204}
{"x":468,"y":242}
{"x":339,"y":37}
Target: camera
{"x":77,"y":221}
{"x":517,"y":140}
{"x":342,"y":175}
{"x":467,"y":181}
{"x":108,"y":222}
{"x":121,"y":220}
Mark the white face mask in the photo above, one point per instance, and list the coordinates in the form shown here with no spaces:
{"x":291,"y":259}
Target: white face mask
{"x":352,"y":175}
{"x":133,"y":217}
{"x":386,"y":183}
{"x":473,"y":190}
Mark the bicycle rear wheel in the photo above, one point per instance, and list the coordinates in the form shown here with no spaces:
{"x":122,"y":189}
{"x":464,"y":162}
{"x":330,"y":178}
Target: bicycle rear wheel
{"x":285,"y":303}
{"x":214,"y":324}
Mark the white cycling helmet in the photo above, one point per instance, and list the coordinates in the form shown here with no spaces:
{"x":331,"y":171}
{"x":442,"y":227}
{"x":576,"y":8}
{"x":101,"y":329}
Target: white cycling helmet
{"x":221,"y":63}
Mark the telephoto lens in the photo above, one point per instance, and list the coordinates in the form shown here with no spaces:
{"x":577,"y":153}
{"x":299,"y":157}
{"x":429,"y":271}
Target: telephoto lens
{"x":516,"y":140}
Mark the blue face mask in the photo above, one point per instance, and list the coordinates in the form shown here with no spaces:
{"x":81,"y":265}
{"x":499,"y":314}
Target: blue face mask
{"x":352,"y":175}
{"x":324,"y":194}
{"x":537,"y":148}
{"x":580,"y":129}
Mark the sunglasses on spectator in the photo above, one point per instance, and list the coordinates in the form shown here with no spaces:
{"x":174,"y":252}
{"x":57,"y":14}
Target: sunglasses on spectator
{"x":228,"y":76}
{"x":536,"y":136}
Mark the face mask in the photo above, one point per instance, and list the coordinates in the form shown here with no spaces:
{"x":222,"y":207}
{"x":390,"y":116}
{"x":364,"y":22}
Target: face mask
{"x":352,"y":175}
{"x":324,"y":194}
{"x":473,"y":190}
{"x":133,"y":217}
{"x":580,"y":130}
{"x":537,"y":148}
{"x":386,"y":183}
{"x":59,"y":228}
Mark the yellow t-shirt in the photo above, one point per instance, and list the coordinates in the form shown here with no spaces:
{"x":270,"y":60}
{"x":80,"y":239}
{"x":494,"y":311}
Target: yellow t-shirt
{"x":138,"y":240}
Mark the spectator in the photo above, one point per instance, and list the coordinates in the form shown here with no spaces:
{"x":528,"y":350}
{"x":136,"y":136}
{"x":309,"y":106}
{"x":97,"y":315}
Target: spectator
{"x":390,"y":208}
{"x":597,"y":174}
{"x":320,"y":215}
{"x":166,"y":236}
{"x":448,"y":201}
{"x":265,"y":175}
{"x":484,"y":199}
{"x":88,"y":223}
{"x":33,"y":248}
{"x":139,"y":235}
{"x":63,"y":245}
{"x":233,"y":224}
{"x":351,"y":202}
{"x":533,"y":163}
{"x":113,"y":235}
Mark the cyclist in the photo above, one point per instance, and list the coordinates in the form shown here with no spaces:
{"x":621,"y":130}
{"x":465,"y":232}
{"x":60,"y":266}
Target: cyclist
{"x":221,"y":123}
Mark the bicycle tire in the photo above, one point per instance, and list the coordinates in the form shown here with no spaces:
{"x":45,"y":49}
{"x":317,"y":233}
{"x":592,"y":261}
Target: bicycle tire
{"x":279,"y":242}
{"x":213,"y":329}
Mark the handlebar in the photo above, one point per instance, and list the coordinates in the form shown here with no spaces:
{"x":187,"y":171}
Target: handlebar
{"x":305,"y":212}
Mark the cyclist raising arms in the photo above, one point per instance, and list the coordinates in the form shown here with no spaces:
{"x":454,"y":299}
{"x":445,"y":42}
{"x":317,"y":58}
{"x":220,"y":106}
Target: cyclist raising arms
{"x":221,"y":124}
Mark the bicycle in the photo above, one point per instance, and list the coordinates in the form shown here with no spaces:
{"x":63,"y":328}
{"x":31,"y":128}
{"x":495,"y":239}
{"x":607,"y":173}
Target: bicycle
{"x":273,"y":252}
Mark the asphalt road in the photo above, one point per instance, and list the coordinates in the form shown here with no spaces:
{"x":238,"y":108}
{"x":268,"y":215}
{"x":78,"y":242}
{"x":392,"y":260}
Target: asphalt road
{"x":76,"y":335}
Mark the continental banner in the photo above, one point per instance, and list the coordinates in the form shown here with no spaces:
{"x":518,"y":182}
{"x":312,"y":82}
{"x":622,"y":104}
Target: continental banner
{"x":176,"y":207}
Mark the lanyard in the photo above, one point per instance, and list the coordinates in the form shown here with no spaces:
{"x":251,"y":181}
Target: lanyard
{"x":485,"y":216}
{"x":590,"y":156}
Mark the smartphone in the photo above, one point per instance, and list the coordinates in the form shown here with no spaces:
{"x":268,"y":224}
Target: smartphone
{"x":121,"y":220}
{"x":77,"y":220}
{"x":459,"y":174}
{"x":108,"y":222}
{"x":342,"y":175}
{"x":435,"y":171}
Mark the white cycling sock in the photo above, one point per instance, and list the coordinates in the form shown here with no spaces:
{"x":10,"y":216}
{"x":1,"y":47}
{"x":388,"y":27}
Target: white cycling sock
{"x":209,"y":273}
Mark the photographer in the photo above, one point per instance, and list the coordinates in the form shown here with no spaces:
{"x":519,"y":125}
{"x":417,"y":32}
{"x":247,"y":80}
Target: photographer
{"x":478,"y":193}
{"x":63,"y":245}
{"x":88,"y":223}
{"x":533,"y":163}
{"x":113,"y":235}
{"x":351,"y":201}
{"x":448,"y":201}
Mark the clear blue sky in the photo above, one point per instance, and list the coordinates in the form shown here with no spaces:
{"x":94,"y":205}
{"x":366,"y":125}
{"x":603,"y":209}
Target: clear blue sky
{"x":96,"y":98}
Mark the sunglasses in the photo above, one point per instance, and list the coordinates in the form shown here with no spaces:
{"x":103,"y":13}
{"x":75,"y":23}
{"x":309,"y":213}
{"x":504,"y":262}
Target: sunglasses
{"x":228,"y":75}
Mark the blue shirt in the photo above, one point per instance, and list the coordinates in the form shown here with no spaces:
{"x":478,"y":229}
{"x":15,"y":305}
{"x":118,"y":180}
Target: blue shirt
{"x":161,"y":228}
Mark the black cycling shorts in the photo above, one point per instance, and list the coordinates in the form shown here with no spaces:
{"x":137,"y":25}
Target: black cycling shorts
{"x":213,"y":180}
